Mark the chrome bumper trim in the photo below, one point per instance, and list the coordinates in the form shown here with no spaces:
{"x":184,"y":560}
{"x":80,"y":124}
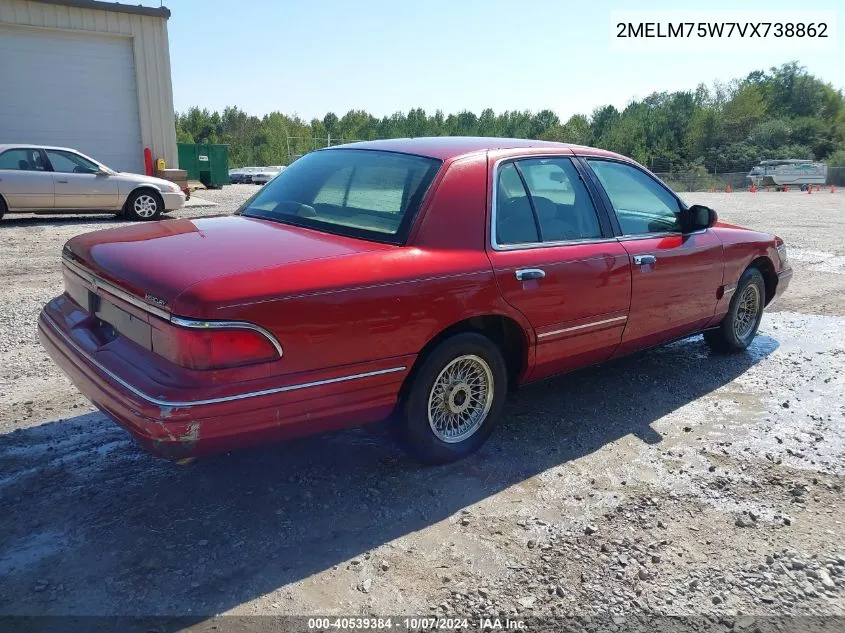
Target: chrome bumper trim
{"x":194,"y":403}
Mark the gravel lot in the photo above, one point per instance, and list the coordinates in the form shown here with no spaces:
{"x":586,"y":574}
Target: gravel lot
{"x":673,"y":482}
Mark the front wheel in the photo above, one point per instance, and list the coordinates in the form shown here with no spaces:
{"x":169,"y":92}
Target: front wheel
{"x":454,"y":399}
{"x":739,"y":327}
{"x":144,"y":205}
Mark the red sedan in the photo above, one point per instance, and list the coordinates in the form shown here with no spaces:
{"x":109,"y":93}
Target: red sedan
{"x":416,"y":279}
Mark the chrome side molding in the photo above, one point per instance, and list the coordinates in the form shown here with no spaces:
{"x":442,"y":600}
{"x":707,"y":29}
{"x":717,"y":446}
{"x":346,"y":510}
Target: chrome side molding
{"x":582,"y":327}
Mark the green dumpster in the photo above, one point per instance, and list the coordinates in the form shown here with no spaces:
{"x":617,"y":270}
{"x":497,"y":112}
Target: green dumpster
{"x":205,"y":162}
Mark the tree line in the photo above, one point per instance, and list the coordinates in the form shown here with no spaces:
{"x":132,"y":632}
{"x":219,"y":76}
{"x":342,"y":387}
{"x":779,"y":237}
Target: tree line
{"x":784,"y":112}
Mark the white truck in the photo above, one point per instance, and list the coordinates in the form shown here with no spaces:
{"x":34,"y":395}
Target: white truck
{"x":788,"y":173}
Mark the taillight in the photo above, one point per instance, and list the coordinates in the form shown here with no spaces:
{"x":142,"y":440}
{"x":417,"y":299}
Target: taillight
{"x":210,"y":345}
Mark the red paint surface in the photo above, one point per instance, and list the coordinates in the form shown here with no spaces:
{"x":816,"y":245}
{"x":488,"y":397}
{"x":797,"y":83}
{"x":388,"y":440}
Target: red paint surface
{"x":148,"y":161}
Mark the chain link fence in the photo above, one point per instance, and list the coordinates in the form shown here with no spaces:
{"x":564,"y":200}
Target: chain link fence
{"x":299,"y":145}
{"x":690,"y":180}
{"x":737,"y":181}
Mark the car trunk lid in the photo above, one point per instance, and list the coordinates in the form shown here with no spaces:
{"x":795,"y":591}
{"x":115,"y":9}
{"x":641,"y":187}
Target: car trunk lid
{"x":157,"y":261}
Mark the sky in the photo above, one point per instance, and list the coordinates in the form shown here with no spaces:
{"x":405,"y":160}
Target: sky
{"x":311,"y":57}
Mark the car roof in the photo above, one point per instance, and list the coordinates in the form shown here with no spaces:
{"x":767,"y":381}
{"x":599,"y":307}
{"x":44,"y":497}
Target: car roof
{"x":5,"y":146}
{"x":446,"y":147}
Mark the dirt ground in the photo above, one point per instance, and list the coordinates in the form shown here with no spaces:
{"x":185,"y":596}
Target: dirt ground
{"x":672,"y":482}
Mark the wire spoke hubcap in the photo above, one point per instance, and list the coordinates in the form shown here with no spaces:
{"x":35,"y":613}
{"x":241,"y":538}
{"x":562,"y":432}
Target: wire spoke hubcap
{"x":145,"y":206}
{"x":460,"y":398}
{"x":747,"y":312}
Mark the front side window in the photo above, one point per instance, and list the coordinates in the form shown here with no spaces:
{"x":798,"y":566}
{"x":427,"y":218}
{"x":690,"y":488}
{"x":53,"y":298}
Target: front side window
{"x":543,"y":200}
{"x":22,"y":159}
{"x":362,"y":193}
{"x":642,"y":205}
{"x":70,"y":163}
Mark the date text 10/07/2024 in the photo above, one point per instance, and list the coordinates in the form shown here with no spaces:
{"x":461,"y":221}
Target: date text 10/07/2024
{"x":411,"y":623}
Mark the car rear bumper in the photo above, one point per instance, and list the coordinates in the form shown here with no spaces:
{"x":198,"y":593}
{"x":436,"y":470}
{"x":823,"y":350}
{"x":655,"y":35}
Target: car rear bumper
{"x":173,"y":200}
{"x":177,"y":429}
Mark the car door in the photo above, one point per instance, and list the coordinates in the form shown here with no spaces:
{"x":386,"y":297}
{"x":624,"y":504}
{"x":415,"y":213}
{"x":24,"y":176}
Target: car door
{"x":79,"y":185}
{"x":25,"y":182}
{"x":557,"y":262}
{"x":675,"y":276}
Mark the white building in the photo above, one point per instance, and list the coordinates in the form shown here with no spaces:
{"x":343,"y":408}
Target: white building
{"x":90,"y":75}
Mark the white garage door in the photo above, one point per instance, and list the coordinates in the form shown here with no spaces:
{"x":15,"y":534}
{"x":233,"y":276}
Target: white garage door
{"x":72,"y":90}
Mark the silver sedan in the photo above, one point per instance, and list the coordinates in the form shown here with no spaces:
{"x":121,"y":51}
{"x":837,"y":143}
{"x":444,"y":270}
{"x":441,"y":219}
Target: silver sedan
{"x":39,"y":179}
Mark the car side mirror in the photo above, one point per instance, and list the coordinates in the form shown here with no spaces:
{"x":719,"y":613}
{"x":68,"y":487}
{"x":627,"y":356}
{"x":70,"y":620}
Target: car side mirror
{"x":697,"y":218}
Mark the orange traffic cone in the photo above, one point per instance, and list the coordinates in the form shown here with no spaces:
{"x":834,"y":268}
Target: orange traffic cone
{"x":832,"y":189}
{"x":810,"y":189}
{"x":753,"y":189}
{"x":728,"y":189}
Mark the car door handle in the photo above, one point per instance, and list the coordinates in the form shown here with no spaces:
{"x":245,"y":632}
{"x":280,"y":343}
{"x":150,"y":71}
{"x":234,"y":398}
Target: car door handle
{"x":639,"y":260}
{"x":525,"y":274}
{"x":64,"y":182}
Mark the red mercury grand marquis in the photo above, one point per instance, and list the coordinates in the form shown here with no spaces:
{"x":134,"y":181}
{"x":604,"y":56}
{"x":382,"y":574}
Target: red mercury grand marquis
{"x":416,"y":277}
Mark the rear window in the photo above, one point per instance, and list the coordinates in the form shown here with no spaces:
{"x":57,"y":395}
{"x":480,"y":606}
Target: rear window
{"x":362,"y":193}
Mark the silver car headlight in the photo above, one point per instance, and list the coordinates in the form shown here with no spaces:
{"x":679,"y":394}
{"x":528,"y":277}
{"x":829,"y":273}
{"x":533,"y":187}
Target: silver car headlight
{"x":784,"y":259}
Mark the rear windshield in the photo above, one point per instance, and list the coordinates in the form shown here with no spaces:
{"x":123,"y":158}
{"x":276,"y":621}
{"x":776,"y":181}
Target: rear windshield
{"x":362,"y":193}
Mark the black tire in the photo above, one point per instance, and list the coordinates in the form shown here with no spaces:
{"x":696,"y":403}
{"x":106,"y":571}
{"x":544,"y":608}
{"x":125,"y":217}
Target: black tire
{"x":138,"y":204}
{"x":732,"y":336}
{"x":2,"y":207}
{"x":417,"y":434}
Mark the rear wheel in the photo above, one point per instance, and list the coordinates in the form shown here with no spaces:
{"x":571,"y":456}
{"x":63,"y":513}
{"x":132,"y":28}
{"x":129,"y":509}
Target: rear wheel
{"x":454,"y":400}
{"x":144,"y":205}
{"x":739,"y":327}
{"x":2,"y":208}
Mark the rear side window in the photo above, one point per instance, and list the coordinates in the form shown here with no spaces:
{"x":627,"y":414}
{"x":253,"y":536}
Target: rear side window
{"x":362,"y":193}
{"x":515,"y":222}
{"x":22,"y":160}
{"x":642,"y":205}
{"x":543,"y":200}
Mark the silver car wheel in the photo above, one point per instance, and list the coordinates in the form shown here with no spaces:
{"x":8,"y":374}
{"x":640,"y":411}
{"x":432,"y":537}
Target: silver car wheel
{"x":460,"y":398}
{"x":145,"y":206}
{"x":747,"y":312}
